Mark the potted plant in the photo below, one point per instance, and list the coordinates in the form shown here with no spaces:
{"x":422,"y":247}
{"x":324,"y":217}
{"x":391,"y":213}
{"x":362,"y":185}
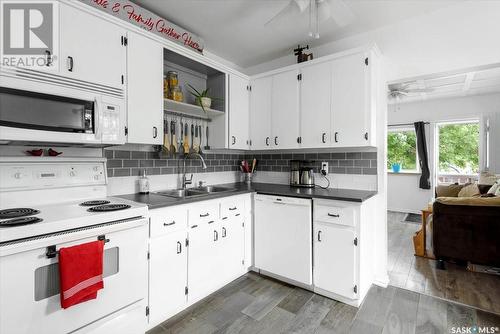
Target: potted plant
{"x":396,"y":167}
{"x":201,"y":98}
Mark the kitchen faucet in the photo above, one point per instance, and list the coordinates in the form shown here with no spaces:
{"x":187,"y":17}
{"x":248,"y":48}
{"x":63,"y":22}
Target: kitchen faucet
{"x":186,"y":181}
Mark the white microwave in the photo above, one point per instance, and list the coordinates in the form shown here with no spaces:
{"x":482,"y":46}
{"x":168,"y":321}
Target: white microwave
{"x":54,"y":110}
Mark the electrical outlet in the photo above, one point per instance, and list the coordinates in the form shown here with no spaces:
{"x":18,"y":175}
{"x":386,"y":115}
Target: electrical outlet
{"x":324,"y":168}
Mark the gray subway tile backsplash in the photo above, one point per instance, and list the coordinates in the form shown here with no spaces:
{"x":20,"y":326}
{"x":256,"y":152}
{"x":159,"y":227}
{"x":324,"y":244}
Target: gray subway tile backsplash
{"x":132,"y":163}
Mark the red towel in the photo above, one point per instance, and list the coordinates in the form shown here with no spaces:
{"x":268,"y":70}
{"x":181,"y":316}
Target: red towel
{"x":80,"y":272}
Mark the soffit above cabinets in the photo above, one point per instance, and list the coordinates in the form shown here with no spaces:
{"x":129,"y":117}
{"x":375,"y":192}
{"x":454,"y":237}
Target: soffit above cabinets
{"x":472,"y":81}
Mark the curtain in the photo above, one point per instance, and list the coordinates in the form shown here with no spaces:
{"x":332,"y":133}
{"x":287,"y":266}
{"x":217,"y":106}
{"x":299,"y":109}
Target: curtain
{"x":423,"y":156}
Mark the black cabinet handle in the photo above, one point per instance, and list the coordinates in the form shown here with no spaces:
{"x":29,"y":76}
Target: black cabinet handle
{"x":323,"y":138}
{"x":224,"y":232}
{"x":333,"y":215}
{"x":179,"y":247}
{"x":204,"y":215}
{"x":276,"y":140}
{"x":234,"y":139}
{"x":224,"y":218}
{"x":216,"y":236}
{"x":155,"y":132}
{"x":211,"y":222}
{"x":237,"y":214}
{"x":232,"y":209}
{"x":267,"y":141}
{"x":49,"y":58}
{"x":366,"y":135}
{"x":169,"y":224}
{"x":319,"y":236}
{"x":336,"y":137}
{"x":194,"y":226}
{"x":70,"y":63}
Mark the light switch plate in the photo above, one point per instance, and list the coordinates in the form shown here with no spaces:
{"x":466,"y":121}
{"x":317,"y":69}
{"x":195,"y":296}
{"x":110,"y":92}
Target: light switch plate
{"x":324,"y":167}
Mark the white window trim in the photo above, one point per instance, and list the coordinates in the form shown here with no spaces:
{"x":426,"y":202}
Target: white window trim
{"x":415,"y":171}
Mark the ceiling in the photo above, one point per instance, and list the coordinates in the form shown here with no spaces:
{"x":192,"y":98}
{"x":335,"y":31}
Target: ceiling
{"x":235,"y":29}
{"x":472,"y":81}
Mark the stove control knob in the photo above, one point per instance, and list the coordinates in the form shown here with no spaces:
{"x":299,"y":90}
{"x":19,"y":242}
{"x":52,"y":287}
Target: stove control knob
{"x":18,"y":175}
{"x":72,"y":173}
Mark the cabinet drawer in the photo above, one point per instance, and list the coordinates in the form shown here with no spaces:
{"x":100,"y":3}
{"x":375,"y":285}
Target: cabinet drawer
{"x":203,"y":213}
{"x":168,"y":220}
{"x":232,"y":207}
{"x":335,"y":214}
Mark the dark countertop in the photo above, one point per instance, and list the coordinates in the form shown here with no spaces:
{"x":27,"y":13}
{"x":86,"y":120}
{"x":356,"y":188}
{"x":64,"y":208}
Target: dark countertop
{"x":155,"y":201}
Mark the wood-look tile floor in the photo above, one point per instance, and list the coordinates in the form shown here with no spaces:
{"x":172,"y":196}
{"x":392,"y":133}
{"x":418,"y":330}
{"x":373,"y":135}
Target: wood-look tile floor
{"x":420,"y":275}
{"x":256,"y":304}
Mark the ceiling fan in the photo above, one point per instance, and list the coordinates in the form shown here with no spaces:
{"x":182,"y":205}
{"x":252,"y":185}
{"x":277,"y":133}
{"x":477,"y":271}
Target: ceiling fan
{"x":398,"y":91}
{"x":317,"y":11}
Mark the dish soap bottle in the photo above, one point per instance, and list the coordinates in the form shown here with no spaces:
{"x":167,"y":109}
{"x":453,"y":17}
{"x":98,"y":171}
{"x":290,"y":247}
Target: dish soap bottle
{"x":144,"y":183}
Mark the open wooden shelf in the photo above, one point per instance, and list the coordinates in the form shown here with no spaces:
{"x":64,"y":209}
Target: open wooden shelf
{"x":190,"y":109}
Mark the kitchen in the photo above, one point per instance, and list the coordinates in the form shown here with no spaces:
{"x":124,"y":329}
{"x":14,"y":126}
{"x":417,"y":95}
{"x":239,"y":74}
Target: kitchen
{"x":111,"y":149}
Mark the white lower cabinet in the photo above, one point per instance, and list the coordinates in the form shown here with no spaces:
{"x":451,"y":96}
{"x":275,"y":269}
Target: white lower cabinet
{"x":335,"y":260}
{"x":195,"y":249}
{"x":168,"y":275}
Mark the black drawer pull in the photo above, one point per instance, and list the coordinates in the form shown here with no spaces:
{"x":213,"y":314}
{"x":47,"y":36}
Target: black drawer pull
{"x":179,"y":247}
{"x":224,"y":218}
{"x":169,"y":224}
{"x":333,"y":215}
{"x":216,"y":236}
{"x":237,"y":214}
{"x":194,"y":226}
{"x":224,"y":232}
{"x":232,"y":209}
{"x":319,"y":236}
{"x":211,"y":222}
{"x":204,"y":215}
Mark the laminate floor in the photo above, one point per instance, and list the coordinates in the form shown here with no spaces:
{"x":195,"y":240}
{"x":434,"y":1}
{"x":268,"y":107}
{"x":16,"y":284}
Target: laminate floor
{"x":420,"y":275}
{"x":256,"y":304}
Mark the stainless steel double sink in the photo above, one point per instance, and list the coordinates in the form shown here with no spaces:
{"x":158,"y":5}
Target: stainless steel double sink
{"x":193,"y":192}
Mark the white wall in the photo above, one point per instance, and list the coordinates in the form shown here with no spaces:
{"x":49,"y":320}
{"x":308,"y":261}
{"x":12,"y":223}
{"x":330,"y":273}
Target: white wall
{"x":452,"y":38}
{"x":403,"y":191}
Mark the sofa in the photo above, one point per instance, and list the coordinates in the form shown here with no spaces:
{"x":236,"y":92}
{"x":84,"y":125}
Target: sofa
{"x":466,"y":229}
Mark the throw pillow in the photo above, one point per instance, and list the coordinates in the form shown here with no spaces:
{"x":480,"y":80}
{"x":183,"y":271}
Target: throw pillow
{"x":450,"y":190}
{"x":487,"y":178}
{"x":470,"y":190}
{"x":498,"y":192}
{"x":494,"y":188}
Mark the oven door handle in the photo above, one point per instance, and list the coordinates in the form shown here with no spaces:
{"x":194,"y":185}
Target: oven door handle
{"x":52,"y":252}
{"x":97,"y":119}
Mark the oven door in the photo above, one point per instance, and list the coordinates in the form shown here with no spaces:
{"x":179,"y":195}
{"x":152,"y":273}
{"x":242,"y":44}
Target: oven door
{"x":29,"y":283}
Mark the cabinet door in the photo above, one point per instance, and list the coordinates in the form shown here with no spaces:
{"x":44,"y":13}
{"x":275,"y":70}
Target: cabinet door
{"x":145,"y":90}
{"x":168,"y":276}
{"x":350,"y":102}
{"x":285,"y":110}
{"x":203,"y":263}
{"x":335,"y":259}
{"x":315,"y":93}
{"x":91,"y":48}
{"x":238,"y":113}
{"x":232,"y":247}
{"x":260,"y":113}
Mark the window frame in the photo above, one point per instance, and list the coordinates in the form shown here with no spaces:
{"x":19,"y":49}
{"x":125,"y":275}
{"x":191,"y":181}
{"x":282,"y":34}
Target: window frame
{"x":438,"y":125}
{"x":417,"y":169}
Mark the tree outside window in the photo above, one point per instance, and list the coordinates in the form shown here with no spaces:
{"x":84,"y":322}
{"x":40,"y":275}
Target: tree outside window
{"x":402,"y":149}
{"x":459,"y":148}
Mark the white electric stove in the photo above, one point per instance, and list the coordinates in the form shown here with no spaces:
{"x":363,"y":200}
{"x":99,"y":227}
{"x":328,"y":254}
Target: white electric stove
{"x":53,"y":202}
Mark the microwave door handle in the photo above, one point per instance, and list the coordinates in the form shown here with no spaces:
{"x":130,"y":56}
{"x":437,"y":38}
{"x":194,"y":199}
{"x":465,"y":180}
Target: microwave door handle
{"x":97,"y":119}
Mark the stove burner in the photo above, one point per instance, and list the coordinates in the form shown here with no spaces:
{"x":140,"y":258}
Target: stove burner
{"x":20,"y":221}
{"x":95,"y":203}
{"x":108,"y":207}
{"x":17,"y":212}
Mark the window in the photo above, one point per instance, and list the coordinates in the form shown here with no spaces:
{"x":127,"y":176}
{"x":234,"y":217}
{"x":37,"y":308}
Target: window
{"x":402,"y":150}
{"x":458,"y":149}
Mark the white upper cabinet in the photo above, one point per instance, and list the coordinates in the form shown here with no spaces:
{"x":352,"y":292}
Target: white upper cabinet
{"x":91,"y":48}
{"x":315,"y":115}
{"x":285,"y":110}
{"x":260,"y":113}
{"x":350,"y":102}
{"x":144,"y":90}
{"x":239,"y":137}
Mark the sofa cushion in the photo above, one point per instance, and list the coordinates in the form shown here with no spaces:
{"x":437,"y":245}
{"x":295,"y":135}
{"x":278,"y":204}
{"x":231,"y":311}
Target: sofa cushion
{"x":470,"y":190}
{"x":487,"y":178}
{"x":449,"y":190}
{"x":470,"y":201}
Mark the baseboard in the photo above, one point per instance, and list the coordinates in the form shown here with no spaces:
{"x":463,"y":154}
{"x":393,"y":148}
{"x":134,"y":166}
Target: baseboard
{"x":381,"y":281}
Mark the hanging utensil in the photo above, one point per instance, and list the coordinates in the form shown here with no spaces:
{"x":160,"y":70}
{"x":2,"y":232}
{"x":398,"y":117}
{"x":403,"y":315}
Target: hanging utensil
{"x":201,"y":138}
{"x":207,"y":147}
{"x":191,"y":149}
{"x":196,"y":139}
{"x":174,"y":147}
{"x":186,"y":138}
{"x":166,"y":137}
